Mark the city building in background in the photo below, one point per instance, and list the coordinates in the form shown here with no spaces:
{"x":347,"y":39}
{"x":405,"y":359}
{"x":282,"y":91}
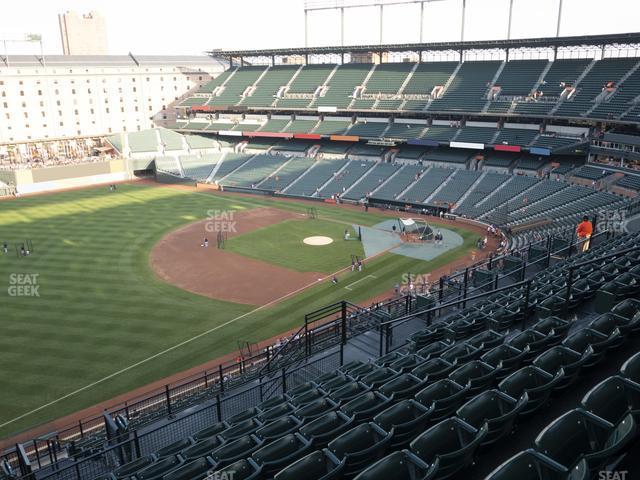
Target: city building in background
{"x":83,"y":34}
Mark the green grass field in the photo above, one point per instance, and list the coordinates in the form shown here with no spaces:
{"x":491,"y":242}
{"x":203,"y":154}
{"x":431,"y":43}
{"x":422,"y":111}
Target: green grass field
{"x":103,"y":325}
{"x":282,"y":244}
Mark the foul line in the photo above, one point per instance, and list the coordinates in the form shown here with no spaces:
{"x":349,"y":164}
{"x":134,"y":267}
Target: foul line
{"x":348,"y":287}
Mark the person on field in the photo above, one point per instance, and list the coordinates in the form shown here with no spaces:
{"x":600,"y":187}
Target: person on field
{"x":5,"y":247}
{"x":334,"y":280}
{"x":584,"y":231}
{"x":205,"y":243}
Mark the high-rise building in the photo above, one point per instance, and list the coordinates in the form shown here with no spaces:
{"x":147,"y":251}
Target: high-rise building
{"x":83,"y":34}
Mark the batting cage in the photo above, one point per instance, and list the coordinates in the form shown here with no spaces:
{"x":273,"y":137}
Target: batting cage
{"x":415,"y":229}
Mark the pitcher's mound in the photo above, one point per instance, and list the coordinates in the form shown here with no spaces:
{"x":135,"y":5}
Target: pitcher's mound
{"x":318,"y":240}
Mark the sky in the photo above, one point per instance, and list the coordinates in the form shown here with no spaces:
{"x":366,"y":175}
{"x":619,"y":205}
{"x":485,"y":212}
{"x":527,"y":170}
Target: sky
{"x":191,"y":28}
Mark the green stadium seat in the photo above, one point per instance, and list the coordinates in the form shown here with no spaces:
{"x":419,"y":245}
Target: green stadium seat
{"x":130,"y":468}
{"x":606,"y":324}
{"x":534,"y":340}
{"x":505,"y":359}
{"x":319,"y":465}
{"x":362,"y":370}
{"x":327,"y":427}
{"x":629,"y":310}
{"x":444,"y":395}
{"x":406,"y":363}
{"x":280,"y":453}
{"x":365,"y":406}
{"x":562,"y":358}
{"x":195,"y":470}
{"x":272,"y":402}
{"x":202,"y":448}
{"x":359,"y":446}
{"x":402,"y":465}
{"x":160,"y":468}
{"x":552,"y":326}
{"x":486,"y":340}
{"x":494,"y":409}
{"x":211,"y":431}
{"x":307,"y":397}
{"x":349,"y":392}
{"x":241,"y":429}
{"x":434,"y":349}
{"x":406,"y":419}
{"x":403,"y":386}
{"x":434,"y":369}
{"x":578,"y":435}
{"x":174,"y":447}
{"x":462,"y":353}
{"x":533,"y":381}
{"x":277,"y":412}
{"x":476,"y":374}
{"x":302,"y":388}
{"x":233,"y":451}
{"x":613,"y":399}
{"x":244,"y":415}
{"x":245,"y":469}
{"x":279,"y":427}
{"x":532,"y":465}
{"x":613,"y":292}
{"x":315,"y":409}
{"x":389,"y":358}
{"x":586,"y":338}
{"x":336,"y":383}
{"x":452,"y":443}
{"x":379,"y":377}
{"x":631,"y":368}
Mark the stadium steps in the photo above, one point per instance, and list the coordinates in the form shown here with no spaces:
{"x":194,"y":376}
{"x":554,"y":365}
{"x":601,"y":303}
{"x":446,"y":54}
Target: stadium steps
{"x":275,"y":172}
{"x":500,"y":187}
{"x":541,"y":78}
{"x":584,"y":73}
{"x":516,"y":197}
{"x":215,"y":169}
{"x":493,"y":82}
{"x":442,"y":186}
{"x":366,"y":174}
{"x":495,"y":137}
{"x":408,"y":79}
{"x":469,"y":190}
{"x":291,"y":80}
{"x":254,"y":84}
{"x":410,"y":186}
{"x":324,"y":85}
{"x":619,"y":84}
{"x":242,"y":164}
{"x":389,"y":178}
{"x":363,"y":84}
{"x":446,"y":86}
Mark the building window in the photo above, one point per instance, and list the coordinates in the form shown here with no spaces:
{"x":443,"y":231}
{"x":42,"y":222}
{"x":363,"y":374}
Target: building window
{"x":22,"y":93}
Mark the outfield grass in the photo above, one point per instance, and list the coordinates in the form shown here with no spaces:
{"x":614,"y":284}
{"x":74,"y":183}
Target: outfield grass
{"x":103,"y":324}
{"x":282,"y":244}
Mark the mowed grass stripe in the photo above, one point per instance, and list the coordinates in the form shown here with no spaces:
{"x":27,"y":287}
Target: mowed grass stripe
{"x":101,"y":308}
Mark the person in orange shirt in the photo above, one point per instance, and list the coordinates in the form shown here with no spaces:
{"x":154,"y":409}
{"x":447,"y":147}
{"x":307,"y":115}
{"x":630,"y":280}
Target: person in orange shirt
{"x":584,"y":231}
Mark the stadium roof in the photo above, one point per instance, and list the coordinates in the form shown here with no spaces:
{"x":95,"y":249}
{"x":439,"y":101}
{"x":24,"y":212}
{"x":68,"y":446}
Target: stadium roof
{"x":545,"y":42}
{"x":130,"y":60}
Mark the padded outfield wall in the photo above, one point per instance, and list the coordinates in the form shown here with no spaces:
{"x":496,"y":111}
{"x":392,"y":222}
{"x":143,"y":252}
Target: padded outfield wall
{"x":71,"y":176}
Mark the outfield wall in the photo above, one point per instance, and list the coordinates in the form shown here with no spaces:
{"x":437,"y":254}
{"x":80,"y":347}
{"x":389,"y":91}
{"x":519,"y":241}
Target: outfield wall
{"x":71,"y":176}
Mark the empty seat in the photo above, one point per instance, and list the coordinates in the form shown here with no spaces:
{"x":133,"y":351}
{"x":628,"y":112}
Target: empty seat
{"x":194,"y":470}
{"x":487,"y":340}
{"x":445,"y":395}
{"x":477,"y":374}
{"x":280,"y":453}
{"x":630,"y":310}
{"x":631,"y":368}
{"x":434,"y":369}
{"x":307,"y":397}
{"x":494,"y":409}
{"x":533,"y":339}
{"x":160,"y":468}
{"x":452,"y":443}
{"x":462,"y":353}
{"x":379,"y":377}
{"x":211,"y":431}
{"x":349,"y":392}
{"x":272,"y":402}
{"x":327,"y":427}
{"x":402,"y":465}
{"x":132,"y":467}
{"x":613,"y":399}
{"x":315,"y":409}
{"x":406,"y":364}
{"x":533,"y":381}
{"x":357,"y":370}
{"x":245,"y":469}
{"x":245,"y":415}
{"x":335,"y":383}
{"x":241,"y":429}
{"x":365,"y":406}
{"x":553,"y":326}
{"x":562,"y":358}
{"x":319,"y":465}
{"x":236,"y":450}
{"x":276,"y":412}
{"x":434,"y":349}
{"x":578,"y":435}
{"x":202,"y":448}
{"x":505,"y":359}
{"x":306,"y":386}
{"x":623,"y":286}
{"x":360,"y":446}
{"x":532,"y":465}
{"x":279,"y":427}
{"x":403,"y":386}
{"x":175,"y":447}
{"x":606,"y":324}
{"x":406,"y":419}
{"x":581,"y":340}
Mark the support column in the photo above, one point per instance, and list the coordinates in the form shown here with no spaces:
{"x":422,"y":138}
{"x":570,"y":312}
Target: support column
{"x":464,"y":9}
{"x":381,"y":21}
{"x":306,"y":28}
{"x":559,"y":18}
{"x":342,"y":27}
{"x":421,"y":22}
{"x":510,"y":16}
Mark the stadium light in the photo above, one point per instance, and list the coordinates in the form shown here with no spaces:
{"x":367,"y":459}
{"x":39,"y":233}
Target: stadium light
{"x":315,"y":5}
{"x":26,"y":38}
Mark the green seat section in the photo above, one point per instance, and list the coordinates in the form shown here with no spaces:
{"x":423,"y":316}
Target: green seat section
{"x":319,"y":465}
